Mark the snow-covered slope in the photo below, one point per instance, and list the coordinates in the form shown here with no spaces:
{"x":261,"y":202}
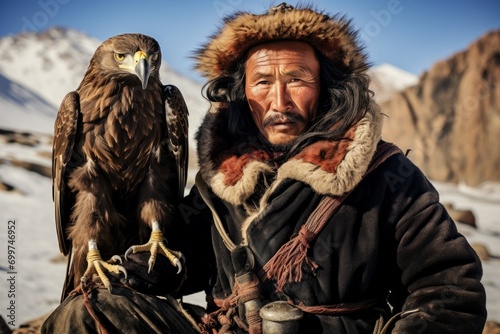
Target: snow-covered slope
{"x":23,"y":109}
{"x":50,"y":63}
{"x":388,"y":79}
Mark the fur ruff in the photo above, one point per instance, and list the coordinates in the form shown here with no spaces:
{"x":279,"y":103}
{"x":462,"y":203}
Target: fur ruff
{"x":333,"y":36}
{"x":334,"y":168}
{"x":330,"y":168}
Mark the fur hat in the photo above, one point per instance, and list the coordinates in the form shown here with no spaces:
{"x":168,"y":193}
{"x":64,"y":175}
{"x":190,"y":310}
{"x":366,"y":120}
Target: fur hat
{"x":333,"y":36}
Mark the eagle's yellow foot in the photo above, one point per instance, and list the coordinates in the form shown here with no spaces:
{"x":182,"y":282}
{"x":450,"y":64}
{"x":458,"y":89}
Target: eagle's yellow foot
{"x":155,"y":245}
{"x":97,"y":264}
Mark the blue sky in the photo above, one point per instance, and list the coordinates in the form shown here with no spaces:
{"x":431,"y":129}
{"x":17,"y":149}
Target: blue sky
{"x":410,"y":34}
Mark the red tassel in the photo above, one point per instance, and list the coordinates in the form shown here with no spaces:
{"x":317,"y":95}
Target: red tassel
{"x":286,"y":265}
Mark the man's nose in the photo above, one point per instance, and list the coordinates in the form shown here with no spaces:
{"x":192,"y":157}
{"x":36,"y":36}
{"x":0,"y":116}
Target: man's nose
{"x":281,"y":100}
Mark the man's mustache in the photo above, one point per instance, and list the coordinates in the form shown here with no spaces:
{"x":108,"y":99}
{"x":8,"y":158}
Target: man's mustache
{"x":286,"y":117}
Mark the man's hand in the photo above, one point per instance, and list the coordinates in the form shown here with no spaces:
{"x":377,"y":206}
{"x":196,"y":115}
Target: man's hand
{"x":161,"y":280}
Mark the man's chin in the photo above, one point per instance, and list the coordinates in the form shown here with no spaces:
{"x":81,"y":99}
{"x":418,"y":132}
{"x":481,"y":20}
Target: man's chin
{"x":282,"y":146}
{"x":279,"y":142}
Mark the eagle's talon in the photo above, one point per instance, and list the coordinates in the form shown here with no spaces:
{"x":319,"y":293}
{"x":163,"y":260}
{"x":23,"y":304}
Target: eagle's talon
{"x":123,"y":271}
{"x":178,"y":264}
{"x":127,"y":253}
{"x":155,"y":247}
{"x":116,"y":259}
{"x":177,"y":259}
{"x":151,"y":262}
{"x":97,"y":264}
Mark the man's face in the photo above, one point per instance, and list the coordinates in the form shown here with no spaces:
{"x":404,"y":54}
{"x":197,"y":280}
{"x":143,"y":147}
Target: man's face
{"x":282,"y":88}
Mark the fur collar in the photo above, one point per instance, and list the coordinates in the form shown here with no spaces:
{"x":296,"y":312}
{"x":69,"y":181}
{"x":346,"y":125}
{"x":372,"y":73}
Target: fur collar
{"x":237,"y":171}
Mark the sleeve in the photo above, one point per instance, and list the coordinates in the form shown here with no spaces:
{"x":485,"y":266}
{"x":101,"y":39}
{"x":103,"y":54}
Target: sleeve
{"x":440,"y":288}
{"x":126,"y":311}
{"x":196,"y":243}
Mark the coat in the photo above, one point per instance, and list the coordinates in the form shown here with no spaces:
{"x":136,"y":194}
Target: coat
{"x":390,"y":239}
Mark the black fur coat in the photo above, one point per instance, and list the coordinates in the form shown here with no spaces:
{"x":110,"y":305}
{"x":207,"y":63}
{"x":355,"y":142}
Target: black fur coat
{"x":390,"y":239}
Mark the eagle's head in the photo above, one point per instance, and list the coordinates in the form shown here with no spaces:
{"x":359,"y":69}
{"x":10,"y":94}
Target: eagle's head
{"x":130,"y":55}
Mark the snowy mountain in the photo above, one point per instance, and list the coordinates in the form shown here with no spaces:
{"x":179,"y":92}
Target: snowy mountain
{"x":49,"y":64}
{"x":23,"y":109}
{"x":388,"y":79}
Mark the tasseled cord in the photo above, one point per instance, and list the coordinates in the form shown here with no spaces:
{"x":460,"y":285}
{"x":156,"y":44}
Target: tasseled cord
{"x":286,"y":265}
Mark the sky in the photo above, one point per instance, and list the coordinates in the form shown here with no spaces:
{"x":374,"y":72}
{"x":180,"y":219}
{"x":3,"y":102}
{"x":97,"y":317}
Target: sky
{"x":409,"y":34}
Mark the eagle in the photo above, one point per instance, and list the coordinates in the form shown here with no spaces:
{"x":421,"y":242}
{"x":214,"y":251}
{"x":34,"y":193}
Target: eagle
{"x":119,"y":161}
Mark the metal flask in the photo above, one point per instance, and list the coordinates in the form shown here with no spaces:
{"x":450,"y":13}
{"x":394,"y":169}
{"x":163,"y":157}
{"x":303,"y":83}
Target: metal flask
{"x":280,"y":317}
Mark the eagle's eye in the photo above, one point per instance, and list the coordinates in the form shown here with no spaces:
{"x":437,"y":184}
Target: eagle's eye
{"x":119,"y":56}
{"x":154,"y":57}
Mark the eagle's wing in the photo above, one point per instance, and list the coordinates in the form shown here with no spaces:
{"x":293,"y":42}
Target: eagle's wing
{"x":64,"y":140}
{"x":177,"y":127}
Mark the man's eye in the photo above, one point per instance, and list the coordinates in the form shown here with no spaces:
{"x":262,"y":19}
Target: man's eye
{"x":263,"y":82}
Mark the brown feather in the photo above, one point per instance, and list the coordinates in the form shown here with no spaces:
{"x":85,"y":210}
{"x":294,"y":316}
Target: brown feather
{"x":113,"y":171}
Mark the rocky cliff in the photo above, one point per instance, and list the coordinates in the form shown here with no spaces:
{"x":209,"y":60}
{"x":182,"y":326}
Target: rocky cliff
{"x":451,"y":118}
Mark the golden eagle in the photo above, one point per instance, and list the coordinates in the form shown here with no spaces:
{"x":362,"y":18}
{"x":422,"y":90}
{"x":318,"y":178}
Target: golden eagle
{"x":119,"y":160}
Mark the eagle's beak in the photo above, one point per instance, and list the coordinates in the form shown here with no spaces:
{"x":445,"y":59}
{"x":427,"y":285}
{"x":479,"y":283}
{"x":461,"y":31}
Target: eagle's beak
{"x":142,"y":68}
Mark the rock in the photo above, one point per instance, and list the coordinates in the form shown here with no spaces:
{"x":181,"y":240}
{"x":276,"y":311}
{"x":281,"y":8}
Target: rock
{"x":32,"y":326}
{"x":23,"y":138}
{"x":482,"y":252}
{"x":45,"y":154}
{"x":6,"y":187}
{"x":451,"y":119}
{"x":59,"y":258}
{"x":491,"y":327}
{"x":33,"y":167}
{"x":461,"y":215}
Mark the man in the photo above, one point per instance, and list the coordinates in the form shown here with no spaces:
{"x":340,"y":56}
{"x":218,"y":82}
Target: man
{"x":306,"y":203}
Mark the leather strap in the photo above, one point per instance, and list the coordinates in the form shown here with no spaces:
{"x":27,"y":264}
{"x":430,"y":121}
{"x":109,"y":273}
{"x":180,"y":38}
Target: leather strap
{"x":202,"y":188}
{"x":327,"y":206}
